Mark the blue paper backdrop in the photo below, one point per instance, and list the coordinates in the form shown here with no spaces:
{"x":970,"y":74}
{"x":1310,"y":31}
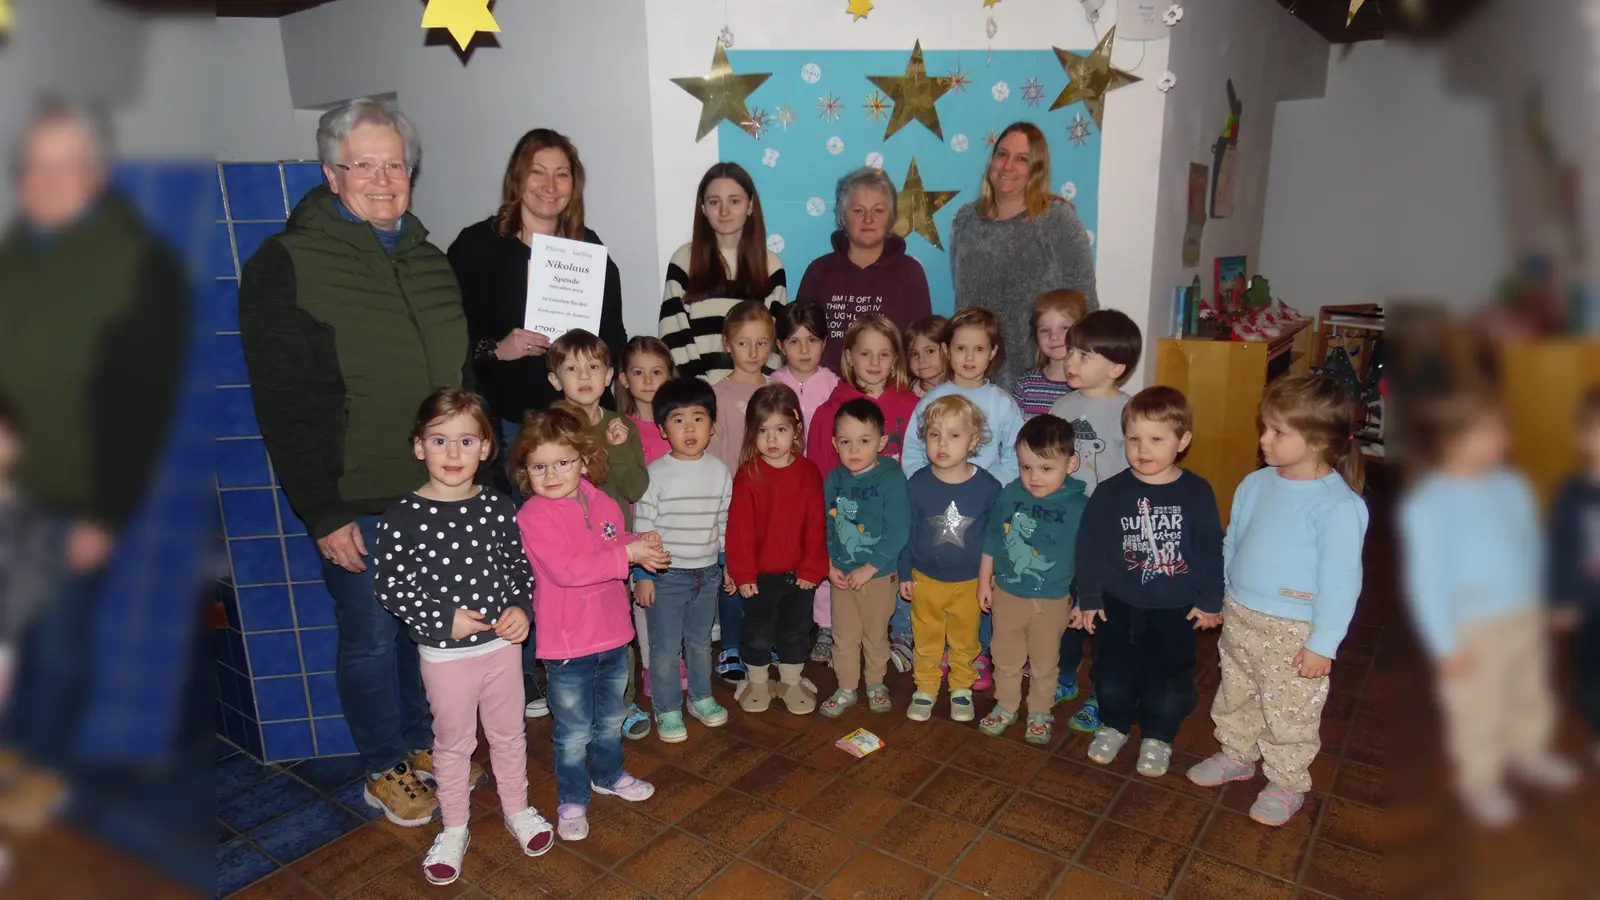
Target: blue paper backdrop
{"x":805,"y":166}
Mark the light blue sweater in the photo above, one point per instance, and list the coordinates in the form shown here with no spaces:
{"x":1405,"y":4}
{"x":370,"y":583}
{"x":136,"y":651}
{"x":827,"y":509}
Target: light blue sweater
{"x":1471,"y":553}
{"x":997,"y":455}
{"x":1293,"y":550}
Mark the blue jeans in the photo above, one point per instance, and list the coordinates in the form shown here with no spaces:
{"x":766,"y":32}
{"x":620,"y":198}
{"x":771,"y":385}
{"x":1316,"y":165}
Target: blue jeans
{"x":508,"y":441}
{"x":379,"y":673}
{"x":1073,"y":641}
{"x":730,"y":613}
{"x":680,"y":628}
{"x":985,"y":631}
{"x":900,"y":622}
{"x":586,"y":700}
{"x":53,"y":685}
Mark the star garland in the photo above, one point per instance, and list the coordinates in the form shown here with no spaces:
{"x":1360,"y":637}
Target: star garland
{"x":914,"y":95}
{"x":829,"y":107}
{"x":723,"y":95}
{"x":858,"y":9}
{"x":1090,"y":77}
{"x":462,"y":18}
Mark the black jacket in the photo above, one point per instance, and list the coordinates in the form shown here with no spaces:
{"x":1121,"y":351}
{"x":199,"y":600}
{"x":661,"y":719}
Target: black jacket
{"x":493,"y":273}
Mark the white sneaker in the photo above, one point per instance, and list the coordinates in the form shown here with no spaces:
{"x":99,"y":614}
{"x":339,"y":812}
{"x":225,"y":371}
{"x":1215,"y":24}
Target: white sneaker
{"x":1107,"y":742}
{"x":534,"y":835}
{"x":1547,"y":771}
{"x":1154,"y":758}
{"x":537,"y":708}
{"x":442,"y":865}
{"x":1491,"y":808}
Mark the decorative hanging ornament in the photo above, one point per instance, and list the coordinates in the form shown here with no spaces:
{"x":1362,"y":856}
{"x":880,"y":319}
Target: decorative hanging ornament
{"x":917,"y":207}
{"x":1355,"y":7}
{"x":723,"y":95}
{"x":989,"y":3}
{"x":462,"y":18}
{"x":990,"y":28}
{"x":1167,"y":82}
{"x":726,"y":37}
{"x":5,"y":17}
{"x":914,"y":95}
{"x":1173,"y":15}
{"x":858,"y":9}
{"x":1090,"y":77}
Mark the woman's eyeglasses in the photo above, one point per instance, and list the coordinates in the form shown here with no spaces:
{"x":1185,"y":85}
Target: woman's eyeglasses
{"x":560,"y":467}
{"x":367,"y":170}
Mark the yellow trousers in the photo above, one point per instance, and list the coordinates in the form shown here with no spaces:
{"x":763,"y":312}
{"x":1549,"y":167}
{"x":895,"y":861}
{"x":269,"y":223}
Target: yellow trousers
{"x":945,"y":613}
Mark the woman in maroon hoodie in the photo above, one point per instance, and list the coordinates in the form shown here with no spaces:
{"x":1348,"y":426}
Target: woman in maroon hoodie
{"x":868,"y":273}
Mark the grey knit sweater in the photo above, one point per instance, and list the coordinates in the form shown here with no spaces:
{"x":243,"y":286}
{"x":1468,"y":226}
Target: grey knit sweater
{"x":1003,"y":264}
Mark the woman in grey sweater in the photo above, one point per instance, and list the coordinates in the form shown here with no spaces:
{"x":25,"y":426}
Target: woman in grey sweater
{"x":1016,"y":241}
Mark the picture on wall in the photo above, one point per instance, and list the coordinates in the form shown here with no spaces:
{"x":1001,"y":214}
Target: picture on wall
{"x":1232,"y":282}
{"x":1195,"y":227}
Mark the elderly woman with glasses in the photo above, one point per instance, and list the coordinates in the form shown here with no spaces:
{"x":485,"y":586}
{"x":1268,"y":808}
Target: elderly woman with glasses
{"x":349,"y":319}
{"x":868,"y":273}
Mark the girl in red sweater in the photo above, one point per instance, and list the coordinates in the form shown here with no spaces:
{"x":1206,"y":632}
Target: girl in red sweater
{"x":777,"y":552}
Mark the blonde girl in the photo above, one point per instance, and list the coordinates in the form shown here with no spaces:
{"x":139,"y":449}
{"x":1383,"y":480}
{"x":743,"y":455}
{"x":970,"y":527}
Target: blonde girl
{"x":1054,"y":314}
{"x":646,"y":365}
{"x":926,"y":360}
{"x":873,"y":366}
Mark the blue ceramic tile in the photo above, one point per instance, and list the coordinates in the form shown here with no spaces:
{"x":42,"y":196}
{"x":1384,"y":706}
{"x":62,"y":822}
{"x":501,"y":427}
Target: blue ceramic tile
{"x":247,"y":697}
{"x":329,"y":773}
{"x":240,"y":865}
{"x":227,"y":685}
{"x":321,"y":647}
{"x":228,"y":596}
{"x":266,"y":608}
{"x":236,"y":413}
{"x":305,"y":563}
{"x":292,"y":524}
{"x":224,"y":833}
{"x":299,"y":178}
{"x":229,"y":361}
{"x":219,"y":254}
{"x":304,"y":830}
{"x":233,"y":726}
{"x":222,"y":649}
{"x":255,"y":191}
{"x":214,"y":187}
{"x":324,"y":691}
{"x":353,"y":797}
{"x":257,"y":560}
{"x":263,"y":802}
{"x":219,"y":303}
{"x":252,"y":738}
{"x":249,"y":513}
{"x":333,"y":737}
{"x":225,"y":749}
{"x":248,"y":237}
{"x":313,"y":605}
{"x":129,"y":179}
{"x":279,"y":699}
{"x":287,"y":740}
{"x":178,"y":191}
{"x":273,"y":653}
{"x":242,"y":463}
{"x":238,"y":772}
{"x":241,"y":660}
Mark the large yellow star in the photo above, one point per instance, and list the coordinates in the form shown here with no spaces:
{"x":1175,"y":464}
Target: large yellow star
{"x":462,"y":18}
{"x":722,"y":94}
{"x":859,"y":9}
{"x":917,"y":207}
{"x":914,"y":95}
{"x":1355,"y":7}
{"x":5,"y":16}
{"x":1091,"y":77}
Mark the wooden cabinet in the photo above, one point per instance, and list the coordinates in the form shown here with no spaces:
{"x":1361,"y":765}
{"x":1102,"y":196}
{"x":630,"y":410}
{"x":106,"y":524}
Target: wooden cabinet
{"x":1543,"y":383}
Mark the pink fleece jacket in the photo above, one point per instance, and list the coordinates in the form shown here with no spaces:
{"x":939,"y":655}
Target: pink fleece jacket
{"x":580,"y":567}
{"x":813,"y":392}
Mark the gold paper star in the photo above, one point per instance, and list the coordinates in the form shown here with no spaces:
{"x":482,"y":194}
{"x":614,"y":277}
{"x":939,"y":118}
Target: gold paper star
{"x":859,"y":9}
{"x":5,"y":16}
{"x":722,"y":94}
{"x":1355,"y":7}
{"x":989,"y":3}
{"x":877,"y":106}
{"x":462,"y":18}
{"x":914,"y":95}
{"x":917,"y":207}
{"x":1091,"y":77}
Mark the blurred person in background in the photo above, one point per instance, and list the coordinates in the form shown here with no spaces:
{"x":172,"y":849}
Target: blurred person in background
{"x":1473,"y":585}
{"x":94,"y":324}
{"x":1574,"y":564}
{"x":349,"y":319}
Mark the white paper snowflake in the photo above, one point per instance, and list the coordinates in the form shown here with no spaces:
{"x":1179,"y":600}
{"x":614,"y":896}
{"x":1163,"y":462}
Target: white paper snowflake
{"x":816,"y":206}
{"x":836,"y":145}
{"x":1033,"y":91}
{"x":811,"y":73}
{"x":959,"y":143}
{"x":1001,"y":91}
{"x":1173,"y":15}
{"x":1167,"y":82}
{"x":1078,"y":130}
{"x":775,"y":243}
{"x":990,"y":28}
{"x":1085,"y":231}
{"x":785,"y":116}
{"x":875,"y":160}
{"x":1069,"y":190}
{"x":770,"y":158}
{"x":726,"y":36}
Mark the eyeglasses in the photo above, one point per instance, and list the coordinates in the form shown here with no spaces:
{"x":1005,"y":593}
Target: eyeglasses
{"x":366,"y":170}
{"x":560,"y":466}
{"x":442,"y":445}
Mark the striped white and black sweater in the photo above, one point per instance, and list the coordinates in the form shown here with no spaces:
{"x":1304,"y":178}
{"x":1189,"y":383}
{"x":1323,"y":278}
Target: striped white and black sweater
{"x":693,"y":329}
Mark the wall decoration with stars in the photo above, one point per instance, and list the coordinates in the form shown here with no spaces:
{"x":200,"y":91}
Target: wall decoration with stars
{"x":858,"y":9}
{"x":723,"y":95}
{"x":1091,"y":76}
{"x":462,"y":18}
{"x":824,"y":119}
{"x":5,"y":17}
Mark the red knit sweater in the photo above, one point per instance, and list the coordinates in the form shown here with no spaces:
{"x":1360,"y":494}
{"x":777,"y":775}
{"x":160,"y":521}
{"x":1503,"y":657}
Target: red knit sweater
{"x":775,"y":523}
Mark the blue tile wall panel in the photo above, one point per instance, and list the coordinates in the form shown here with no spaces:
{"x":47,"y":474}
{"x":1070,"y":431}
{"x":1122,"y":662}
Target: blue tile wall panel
{"x":288,"y":740}
{"x":250,"y":513}
{"x":248,"y":236}
{"x":300,"y":178}
{"x":281,"y":699}
{"x":242,"y":464}
{"x":313,"y":605}
{"x":255,"y":192}
{"x":266,"y":608}
{"x":324,"y":693}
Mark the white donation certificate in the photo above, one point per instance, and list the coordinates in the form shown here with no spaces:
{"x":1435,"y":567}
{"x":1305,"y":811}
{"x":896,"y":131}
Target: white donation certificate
{"x":566,"y":286}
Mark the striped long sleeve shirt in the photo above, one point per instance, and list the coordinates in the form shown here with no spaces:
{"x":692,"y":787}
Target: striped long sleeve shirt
{"x":687,"y":504}
{"x":692,"y":329}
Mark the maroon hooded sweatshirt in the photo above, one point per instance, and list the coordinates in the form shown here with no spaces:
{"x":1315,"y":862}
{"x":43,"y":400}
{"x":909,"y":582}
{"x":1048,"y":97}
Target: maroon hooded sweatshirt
{"x":894,"y":286}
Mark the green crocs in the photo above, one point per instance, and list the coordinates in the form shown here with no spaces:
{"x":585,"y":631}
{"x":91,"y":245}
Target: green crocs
{"x":834,"y":706}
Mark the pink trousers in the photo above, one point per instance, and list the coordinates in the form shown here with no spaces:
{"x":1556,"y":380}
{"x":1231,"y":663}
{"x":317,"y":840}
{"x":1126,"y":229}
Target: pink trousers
{"x":459,"y":692}
{"x":822,"y":605}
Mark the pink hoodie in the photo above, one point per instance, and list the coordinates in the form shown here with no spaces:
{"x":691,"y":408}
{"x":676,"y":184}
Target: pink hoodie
{"x":813,"y":392}
{"x":580,"y":566}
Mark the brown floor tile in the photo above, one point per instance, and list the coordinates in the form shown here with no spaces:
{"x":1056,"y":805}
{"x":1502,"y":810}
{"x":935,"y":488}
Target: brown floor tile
{"x":732,"y":820}
{"x":285,"y":885}
{"x":1177,"y":778}
{"x":937,"y":739}
{"x":1161,"y":813}
{"x":541,"y":795}
{"x":893,"y":771}
{"x":1077,"y":784}
{"x":927,"y":838}
{"x":803,"y":852}
{"x":1344,"y":873}
{"x":852,"y":808}
{"x":950,"y":890}
{"x":743,"y":881}
{"x":1134,"y":857}
{"x":1045,"y":824}
{"x":1363,"y":784}
{"x":818,"y":747}
{"x":1209,"y":878}
{"x":612,"y":888}
{"x":1276,"y":851}
{"x":782,"y":781}
{"x":964,"y":795}
{"x":771,"y":729}
{"x":1082,"y":884}
{"x":674,"y":866}
{"x":1007,"y":870}
{"x":1365,"y":744}
{"x":406,"y":882}
{"x":559,"y":873}
{"x":871,"y":874}
{"x":1239,"y":795}
{"x":720,"y":758}
{"x":1341,"y":707}
{"x":678,"y":793}
{"x":417,"y":838}
{"x":1353,"y":825}
{"x":352,"y":860}
{"x":616,"y":829}
{"x":1006,"y":761}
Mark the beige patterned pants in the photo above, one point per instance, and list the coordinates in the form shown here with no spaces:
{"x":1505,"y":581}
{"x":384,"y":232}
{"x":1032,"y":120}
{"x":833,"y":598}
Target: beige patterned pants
{"x":1264,"y":710}
{"x":1501,"y":710}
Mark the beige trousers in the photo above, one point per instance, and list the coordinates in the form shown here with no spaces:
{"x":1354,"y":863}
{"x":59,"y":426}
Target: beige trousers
{"x":1027,"y":631}
{"x":1264,"y":710}
{"x":1502,"y":709}
{"x":861,"y":628}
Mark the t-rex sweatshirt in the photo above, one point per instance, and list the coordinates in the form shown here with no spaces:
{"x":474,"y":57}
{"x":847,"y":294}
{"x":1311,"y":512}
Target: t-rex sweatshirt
{"x":1034,"y":540}
{"x":866,"y":517}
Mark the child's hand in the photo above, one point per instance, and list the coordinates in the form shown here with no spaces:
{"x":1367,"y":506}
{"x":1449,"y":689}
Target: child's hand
{"x":747,"y":591}
{"x":644,"y":593}
{"x":985,"y":594}
{"x":653,"y":538}
{"x":468,"y":622}
{"x":907,"y":588}
{"x":616,"y":433}
{"x":1564,"y":618}
{"x":1312,"y":665}
{"x":728,"y":586}
{"x":837,"y":578}
{"x":513,"y":625}
{"x":860,"y":577}
{"x":1085,"y":618}
{"x":652,"y":558}
{"x":1457,"y":665}
{"x":1203,"y":619}
{"x":805,"y":585}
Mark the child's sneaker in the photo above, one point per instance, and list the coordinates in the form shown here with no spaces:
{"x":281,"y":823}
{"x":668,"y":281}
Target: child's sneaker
{"x":1219,"y":768}
{"x":403,"y":798}
{"x":1276,"y":805}
{"x":709,"y":712}
{"x":985,"y":673}
{"x":961,"y":706}
{"x":1155,"y":757}
{"x":669,"y":727}
{"x":1491,"y":808}
{"x":878,"y":698}
{"x":834,"y":706}
{"x":1087,"y":718}
{"x":921,"y":707}
{"x":442,"y":864}
{"x":534,"y":835}
{"x":730,"y":668}
{"x":1040,"y":728}
{"x":822,"y":650}
{"x":572,"y":821}
{"x":1107,"y":742}
{"x":628,"y":788}
{"x":637,"y":725}
{"x":1066,"y":689}
{"x":901,"y":654}
{"x":997,"y":721}
{"x":1547,"y":771}
{"x":537,"y":706}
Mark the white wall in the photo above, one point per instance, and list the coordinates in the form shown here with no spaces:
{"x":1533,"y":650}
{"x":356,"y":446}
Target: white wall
{"x":1389,"y":187}
{"x":255,"y":119}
